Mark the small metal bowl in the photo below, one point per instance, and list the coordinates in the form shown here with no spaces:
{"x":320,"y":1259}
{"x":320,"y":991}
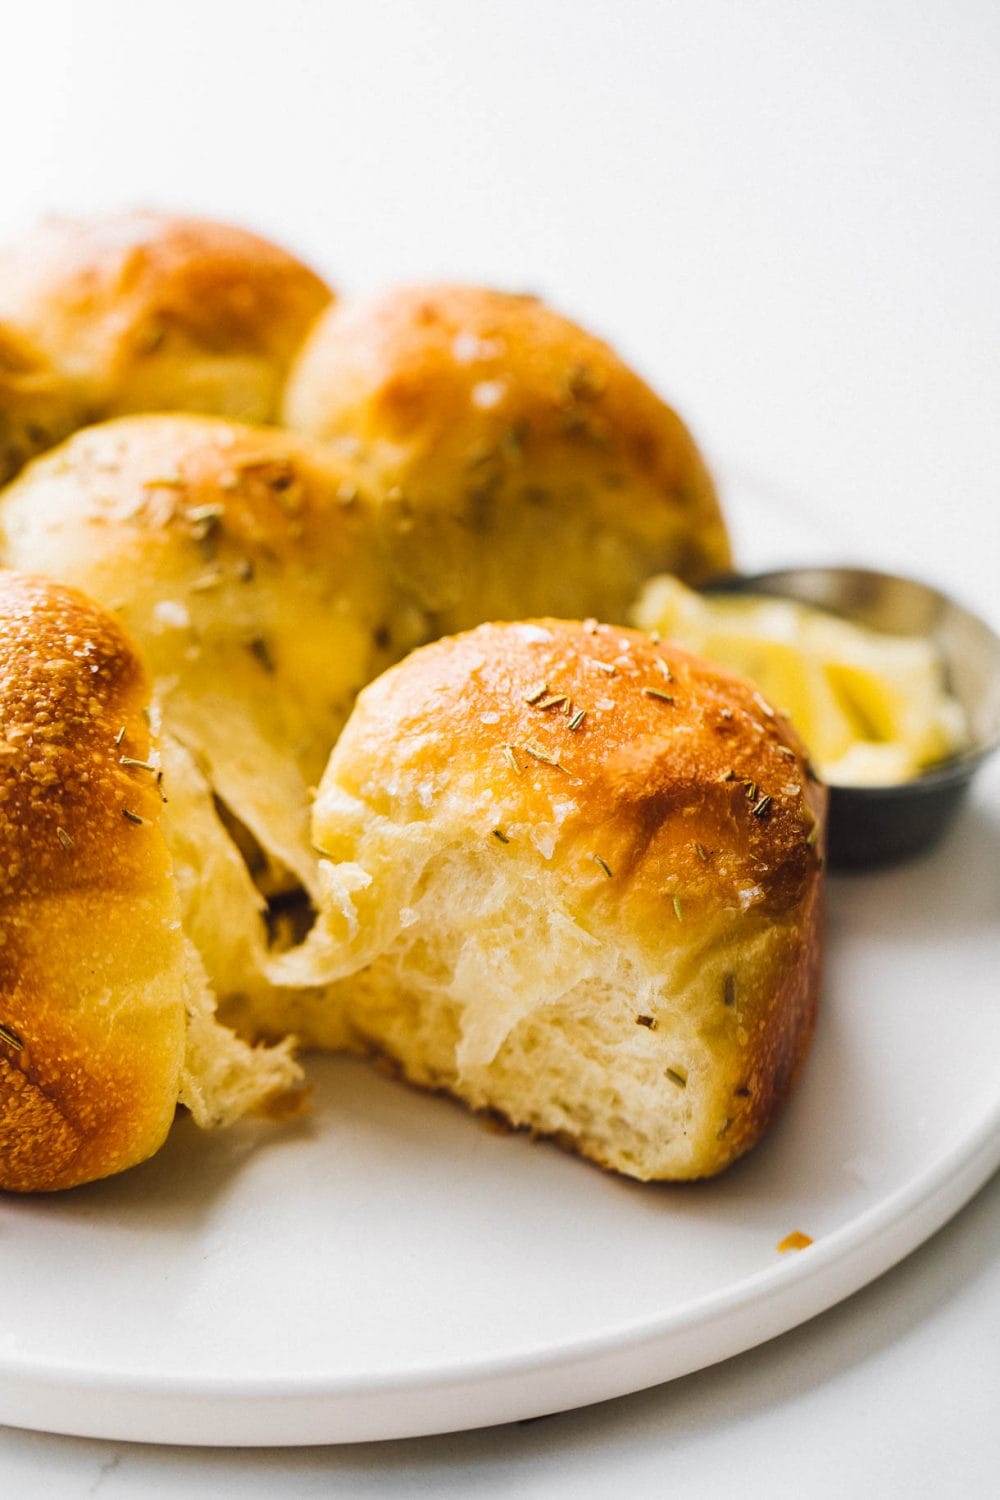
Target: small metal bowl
{"x":877,"y":825}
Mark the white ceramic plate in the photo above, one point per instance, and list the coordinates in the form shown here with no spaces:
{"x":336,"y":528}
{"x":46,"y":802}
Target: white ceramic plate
{"x":391,"y":1267}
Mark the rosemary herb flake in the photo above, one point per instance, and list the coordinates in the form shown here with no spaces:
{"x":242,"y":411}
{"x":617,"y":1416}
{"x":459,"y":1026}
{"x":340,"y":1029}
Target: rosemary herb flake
{"x":538,"y":753}
{"x":577,"y":719}
{"x":604,"y":865}
{"x":64,"y":838}
{"x":260,"y":651}
{"x":676,"y":1077}
{"x":510,"y":757}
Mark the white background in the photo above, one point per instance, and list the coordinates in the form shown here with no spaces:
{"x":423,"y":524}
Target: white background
{"x":788,"y":216}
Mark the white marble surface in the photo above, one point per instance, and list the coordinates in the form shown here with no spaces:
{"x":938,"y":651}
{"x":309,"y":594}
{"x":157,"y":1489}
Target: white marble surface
{"x":789,"y":217}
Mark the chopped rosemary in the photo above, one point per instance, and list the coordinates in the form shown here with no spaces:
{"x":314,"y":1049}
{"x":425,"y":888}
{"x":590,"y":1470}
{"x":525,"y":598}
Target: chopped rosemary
{"x":132,"y":817}
{"x":511,"y":758}
{"x":537,"y":753}
{"x":64,"y":838}
{"x":751,"y":790}
{"x":729,"y":775}
{"x":553,"y":702}
{"x":700,"y":850}
{"x":140,"y":765}
{"x":536,"y":693}
{"x":678,"y":906}
{"x":651,"y":692}
{"x":11,"y":1038}
{"x":577,"y":719}
{"x":498,"y":833}
{"x":203,"y":519}
{"x":602,"y":666}
{"x":680,"y":1079}
{"x":664,"y":668}
{"x":261,"y":653}
{"x":761,"y":806}
{"x":729,"y":990}
{"x":785,"y":750}
{"x":648,"y":1021}
{"x":604,"y":865}
{"x":120,"y":735}
{"x":812,"y":836}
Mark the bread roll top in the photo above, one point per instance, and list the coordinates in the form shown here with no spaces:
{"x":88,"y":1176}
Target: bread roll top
{"x":148,"y":311}
{"x":597,"y":746}
{"x":525,"y":468}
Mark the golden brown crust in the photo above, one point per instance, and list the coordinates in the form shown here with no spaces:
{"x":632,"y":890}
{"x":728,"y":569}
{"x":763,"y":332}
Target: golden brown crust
{"x":149,"y":311}
{"x":676,"y":765}
{"x":245,"y":562}
{"x":91,"y":960}
{"x":527,"y":470}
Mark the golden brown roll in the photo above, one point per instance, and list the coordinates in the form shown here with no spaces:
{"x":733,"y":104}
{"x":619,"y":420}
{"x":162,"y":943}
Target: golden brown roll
{"x":575,"y":877}
{"x":245,"y":564}
{"x":525,"y":469}
{"x":148,"y":311}
{"x":105,"y":1018}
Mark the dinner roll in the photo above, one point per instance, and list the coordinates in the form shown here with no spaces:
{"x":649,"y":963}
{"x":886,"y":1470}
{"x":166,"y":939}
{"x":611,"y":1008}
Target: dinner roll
{"x":574,"y":877}
{"x":105,"y":1017}
{"x":149,"y":311}
{"x":525,"y":469}
{"x":244,"y":563}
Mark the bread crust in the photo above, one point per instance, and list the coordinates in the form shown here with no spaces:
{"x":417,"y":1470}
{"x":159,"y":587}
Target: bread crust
{"x":677,"y":824}
{"x":526,"y":468}
{"x":146,"y":311}
{"x":92,"y":963}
